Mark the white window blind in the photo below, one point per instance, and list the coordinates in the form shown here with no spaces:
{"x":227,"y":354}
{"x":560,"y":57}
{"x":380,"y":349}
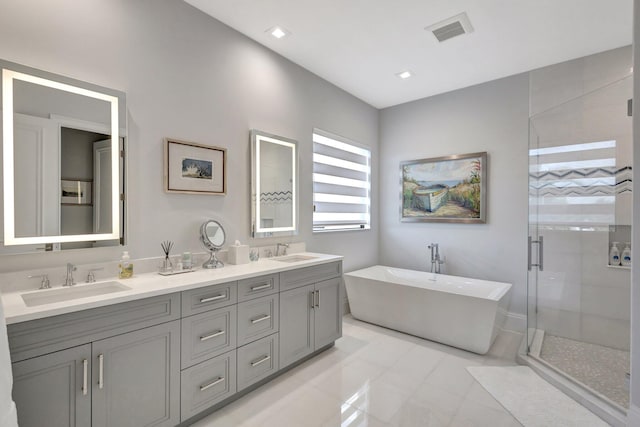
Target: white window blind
{"x":341,"y":184}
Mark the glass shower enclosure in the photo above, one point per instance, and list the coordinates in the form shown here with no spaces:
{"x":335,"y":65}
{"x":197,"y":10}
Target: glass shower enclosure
{"x":578,"y":310}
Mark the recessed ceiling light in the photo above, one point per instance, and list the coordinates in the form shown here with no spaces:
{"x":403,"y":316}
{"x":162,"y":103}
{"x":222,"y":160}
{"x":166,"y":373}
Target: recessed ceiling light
{"x":404,"y":75}
{"x":278,"y":32}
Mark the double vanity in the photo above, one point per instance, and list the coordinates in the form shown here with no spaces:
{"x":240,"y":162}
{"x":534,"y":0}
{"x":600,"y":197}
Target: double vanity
{"x":165,"y":351}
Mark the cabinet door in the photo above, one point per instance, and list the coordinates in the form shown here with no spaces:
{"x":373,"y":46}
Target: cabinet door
{"x":296,"y":324}
{"x":136,"y":378}
{"x":49,"y":390}
{"x":328,"y":312}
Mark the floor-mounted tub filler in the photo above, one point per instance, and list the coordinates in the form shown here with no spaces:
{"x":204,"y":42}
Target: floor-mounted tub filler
{"x":457,"y":311}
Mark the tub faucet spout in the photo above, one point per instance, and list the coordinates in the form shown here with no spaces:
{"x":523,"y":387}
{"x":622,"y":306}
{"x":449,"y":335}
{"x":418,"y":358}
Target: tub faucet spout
{"x":436,"y":262}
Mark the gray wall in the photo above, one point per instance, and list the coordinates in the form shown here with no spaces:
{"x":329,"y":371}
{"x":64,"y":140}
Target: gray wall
{"x":190,"y":77}
{"x":491,"y":117}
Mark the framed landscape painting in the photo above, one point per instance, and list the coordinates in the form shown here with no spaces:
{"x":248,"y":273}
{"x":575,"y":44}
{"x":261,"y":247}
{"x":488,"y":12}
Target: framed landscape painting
{"x":444,"y":189}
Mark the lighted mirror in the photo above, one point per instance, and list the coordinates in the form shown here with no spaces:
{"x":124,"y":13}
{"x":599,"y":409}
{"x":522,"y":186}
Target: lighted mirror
{"x":274,"y":166}
{"x":63,"y":166}
{"x":212,"y":236}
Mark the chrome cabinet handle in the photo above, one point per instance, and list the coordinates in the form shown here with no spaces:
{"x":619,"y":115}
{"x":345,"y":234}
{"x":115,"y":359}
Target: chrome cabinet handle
{"x":317,"y":298}
{"x":312,"y":297}
{"x":216,"y":298}
{"x":85,"y":365}
{"x":100,"y":371}
{"x":259,"y":288}
{"x":260,"y":361}
{"x":212,"y":383}
{"x":213,"y":335}
{"x":261,"y":319}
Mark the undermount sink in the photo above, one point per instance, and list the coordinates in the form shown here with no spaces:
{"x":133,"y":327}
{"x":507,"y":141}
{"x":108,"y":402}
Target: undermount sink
{"x":295,"y":258}
{"x":49,"y":296}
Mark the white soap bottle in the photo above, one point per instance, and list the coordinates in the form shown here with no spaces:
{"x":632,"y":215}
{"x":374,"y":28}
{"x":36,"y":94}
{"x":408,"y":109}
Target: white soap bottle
{"x":625,"y":258}
{"x":614,"y":254}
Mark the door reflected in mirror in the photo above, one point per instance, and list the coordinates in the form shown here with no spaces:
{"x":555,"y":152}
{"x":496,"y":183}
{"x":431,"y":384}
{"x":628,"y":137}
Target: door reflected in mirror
{"x":63,"y":170}
{"x":274,"y":185}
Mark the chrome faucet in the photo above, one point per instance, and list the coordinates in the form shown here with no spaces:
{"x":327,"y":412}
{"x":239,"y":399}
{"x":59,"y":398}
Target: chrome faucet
{"x":69,"y":281}
{"x":436,"y":262}
{"x":91,"y":277}
{"x":284,"y":245}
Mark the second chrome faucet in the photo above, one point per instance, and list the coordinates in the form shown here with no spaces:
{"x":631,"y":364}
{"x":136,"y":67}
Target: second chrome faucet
{"x":436,"y":262}
{"x":69,"y":280}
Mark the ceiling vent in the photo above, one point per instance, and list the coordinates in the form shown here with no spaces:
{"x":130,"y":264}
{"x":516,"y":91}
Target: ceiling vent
{"x":452,"y":27}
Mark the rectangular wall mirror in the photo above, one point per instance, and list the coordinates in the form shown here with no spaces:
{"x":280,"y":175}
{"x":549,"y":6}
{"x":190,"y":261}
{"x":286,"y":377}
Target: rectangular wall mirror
{"x":274,"y":178}
{"x":63,"y":176}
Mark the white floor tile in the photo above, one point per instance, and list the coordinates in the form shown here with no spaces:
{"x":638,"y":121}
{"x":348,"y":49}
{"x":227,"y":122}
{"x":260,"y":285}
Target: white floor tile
{"x":344,"y":381}
{"x":375,"y":377}
{"x":380,"y":399}
{"x":414,"y":413}
{"x":353,"y":417}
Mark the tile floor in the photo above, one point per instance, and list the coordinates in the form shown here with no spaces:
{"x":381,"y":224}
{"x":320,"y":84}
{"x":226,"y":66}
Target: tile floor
{"x":377,"y":377}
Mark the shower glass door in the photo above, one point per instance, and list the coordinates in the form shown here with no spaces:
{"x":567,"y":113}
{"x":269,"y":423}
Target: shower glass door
{"x":580,"y":204}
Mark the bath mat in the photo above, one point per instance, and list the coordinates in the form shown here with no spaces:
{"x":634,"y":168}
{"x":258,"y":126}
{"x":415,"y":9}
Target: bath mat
{"x":531,"y":400}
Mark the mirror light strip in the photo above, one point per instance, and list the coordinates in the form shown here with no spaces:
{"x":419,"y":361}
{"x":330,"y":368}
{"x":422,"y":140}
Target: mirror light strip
{"x":344,"y":164}
{"x":8,"y":76}
{"x":259,"y":139}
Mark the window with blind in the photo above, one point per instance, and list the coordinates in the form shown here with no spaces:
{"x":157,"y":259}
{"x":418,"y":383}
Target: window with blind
{"x":341,"y":184}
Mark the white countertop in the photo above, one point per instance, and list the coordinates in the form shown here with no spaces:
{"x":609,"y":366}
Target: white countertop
{"x":152,"y":284}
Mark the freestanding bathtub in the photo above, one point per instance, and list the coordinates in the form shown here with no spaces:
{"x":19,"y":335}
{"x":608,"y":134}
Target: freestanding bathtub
{"x":457,"y":311}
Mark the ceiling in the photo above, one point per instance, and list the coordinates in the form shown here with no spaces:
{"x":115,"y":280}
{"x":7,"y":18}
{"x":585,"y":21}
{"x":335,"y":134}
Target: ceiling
{"x":360,"y":45}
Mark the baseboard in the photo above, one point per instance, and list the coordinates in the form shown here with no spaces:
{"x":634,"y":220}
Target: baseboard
{"x":633,"y":415}
{"x":515,"y":322}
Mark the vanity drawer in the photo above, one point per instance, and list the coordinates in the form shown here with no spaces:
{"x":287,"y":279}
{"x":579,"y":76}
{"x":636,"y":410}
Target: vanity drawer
{"x":207,"y":383}
{"x":37,"y":337}
{"x":204,"y":299}
{"x":257,"y":361}
{"x":305,"y":276}
{"x":258,"y":287}
{"x":208,"y":334}
{"x":257,"y":318}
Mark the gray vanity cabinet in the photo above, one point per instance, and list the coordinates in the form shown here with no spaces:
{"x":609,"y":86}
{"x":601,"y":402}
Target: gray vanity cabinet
{"x":296,"y":324}
{"x":59,"y":384}
{"x":132,"y":354}
{"x":136,"y":378}
{"x":327,"y":312}
{"x":310,"y":314}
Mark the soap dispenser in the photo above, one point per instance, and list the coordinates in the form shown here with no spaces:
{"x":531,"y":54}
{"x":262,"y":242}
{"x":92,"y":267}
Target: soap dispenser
{"x":125,"y":268}
{"x":614,"y":254}
{"x":625,"y":258}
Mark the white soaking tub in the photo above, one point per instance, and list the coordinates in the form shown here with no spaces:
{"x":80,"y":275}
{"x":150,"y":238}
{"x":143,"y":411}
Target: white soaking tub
{"x":457,"y":311}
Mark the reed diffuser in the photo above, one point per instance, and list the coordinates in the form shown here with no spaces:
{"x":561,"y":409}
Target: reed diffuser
{"x":166,"y":247}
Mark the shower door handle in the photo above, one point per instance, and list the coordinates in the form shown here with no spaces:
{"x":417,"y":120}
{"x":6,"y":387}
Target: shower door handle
{"x":540,"y":243}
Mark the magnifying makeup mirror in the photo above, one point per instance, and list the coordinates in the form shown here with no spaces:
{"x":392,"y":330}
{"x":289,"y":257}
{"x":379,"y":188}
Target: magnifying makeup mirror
{"x":213,"y":237}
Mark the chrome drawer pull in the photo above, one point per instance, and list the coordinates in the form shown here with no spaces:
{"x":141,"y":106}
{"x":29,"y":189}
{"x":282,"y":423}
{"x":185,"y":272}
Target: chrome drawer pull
{"x":212,"y":383}
{"x":216,"y":298}
{"x":260,"y":361}
{"x":259,"y":288}
{"x":85,"y":364}
{"x":101,"y":371}
{"x":213,"y":335}
{"x":261,"y":319}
